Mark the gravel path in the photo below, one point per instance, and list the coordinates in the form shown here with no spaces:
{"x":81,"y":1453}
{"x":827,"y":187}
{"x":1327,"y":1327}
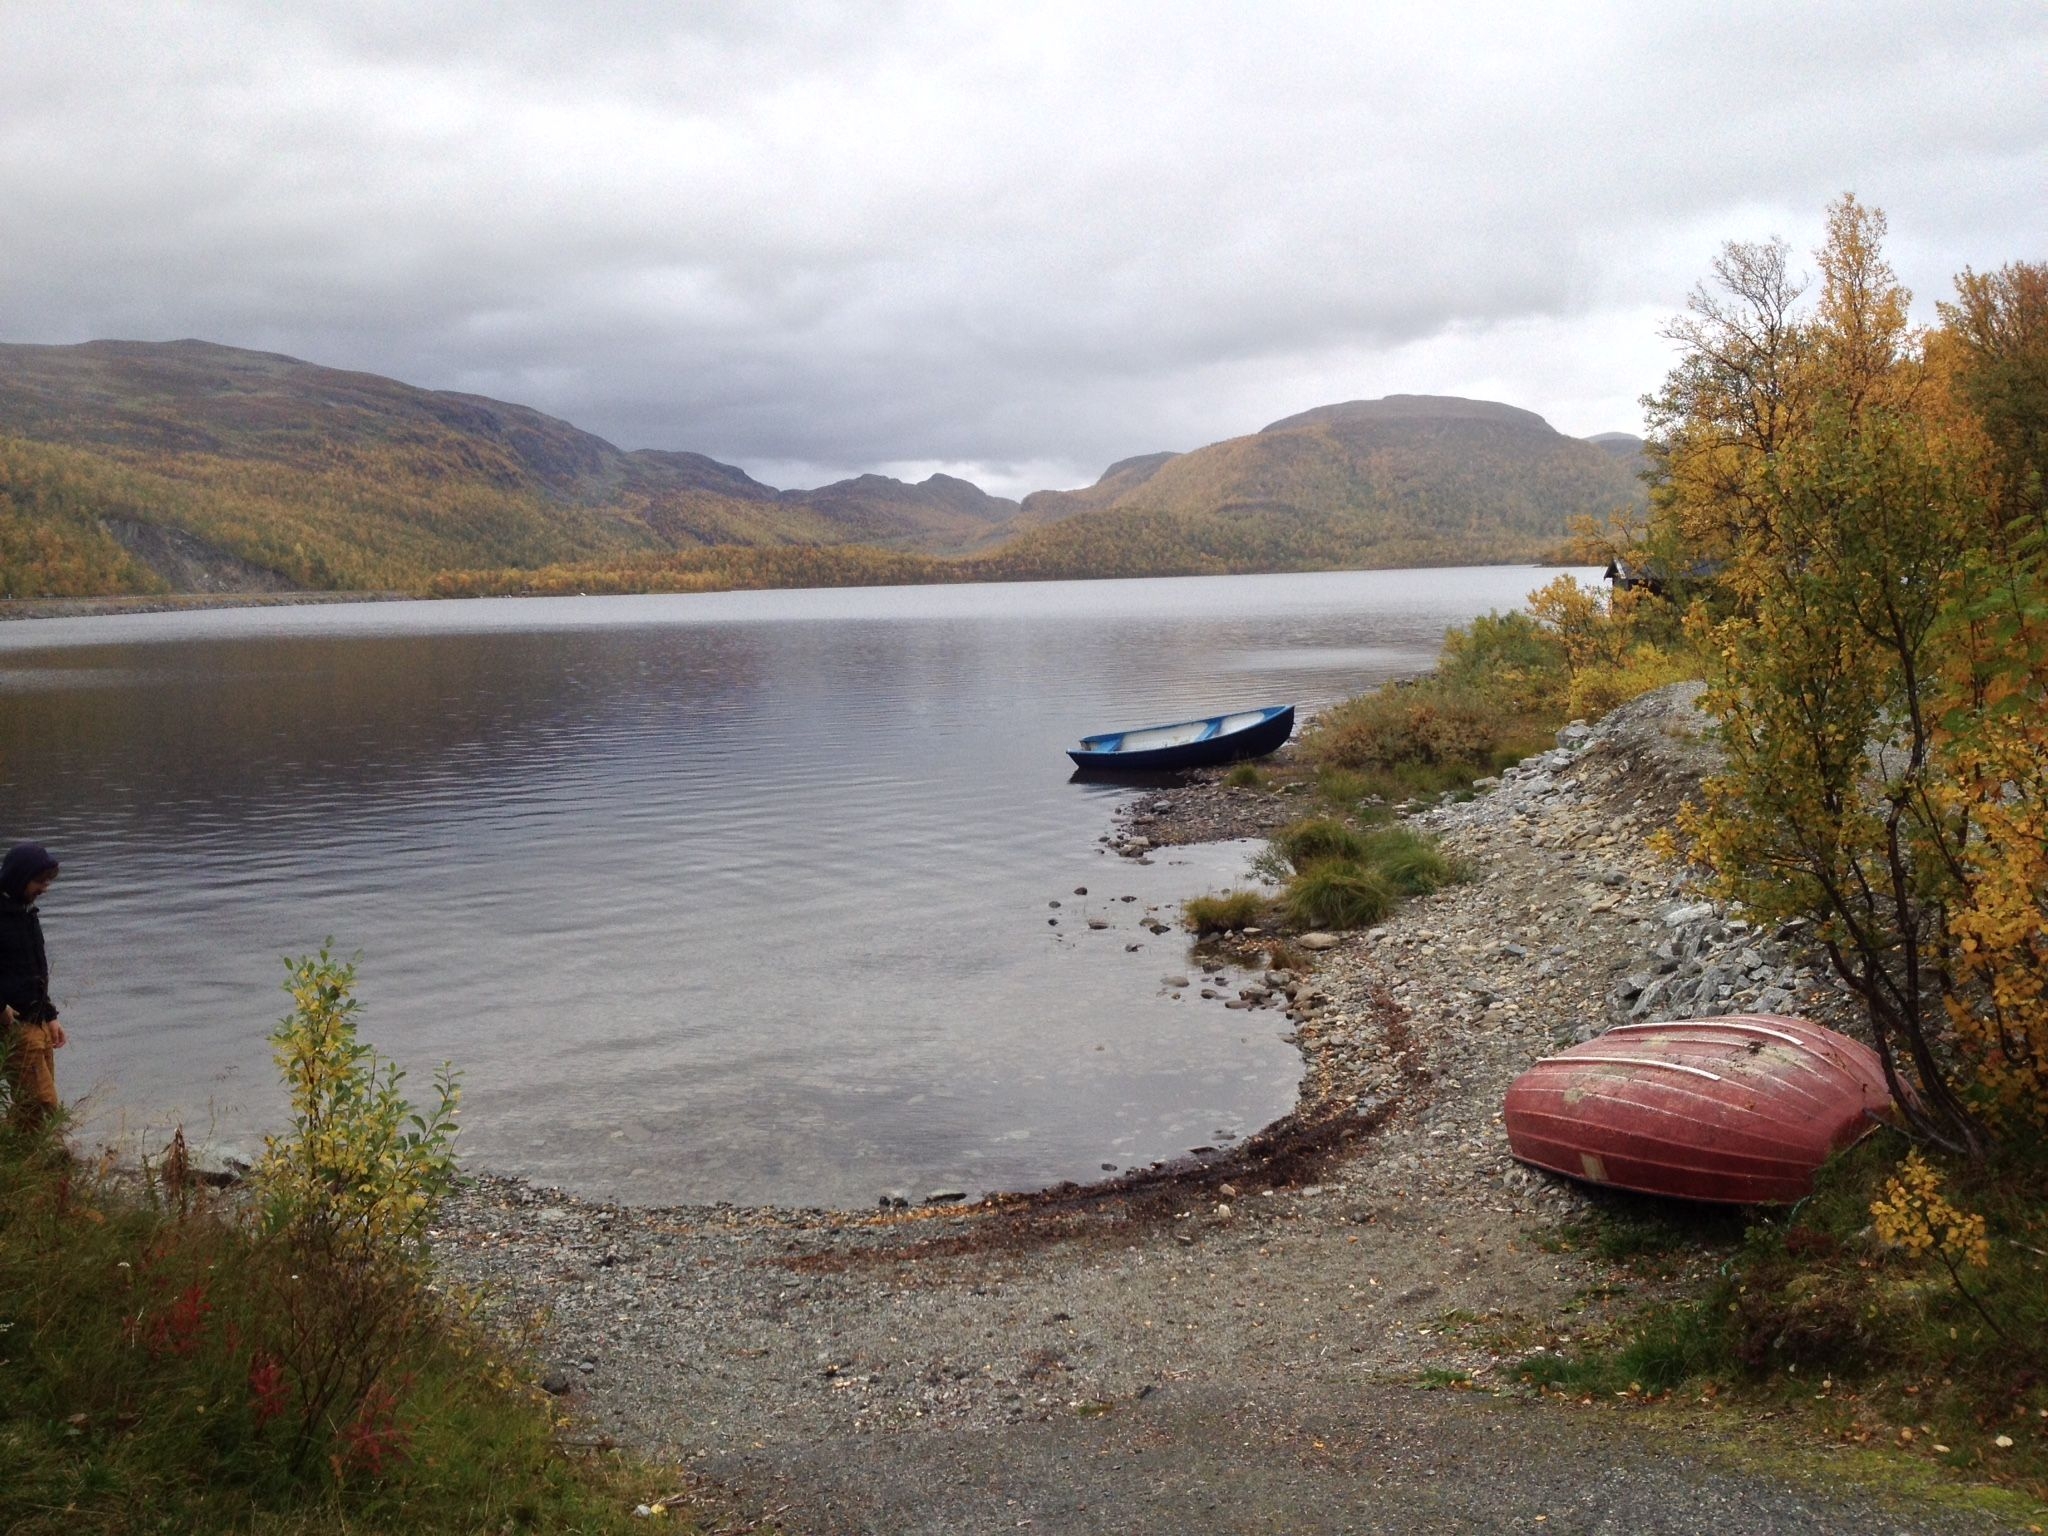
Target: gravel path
{"x":1237,"y":1343}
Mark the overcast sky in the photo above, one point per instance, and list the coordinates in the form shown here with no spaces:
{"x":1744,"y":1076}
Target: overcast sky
{"x":1011,"y":240}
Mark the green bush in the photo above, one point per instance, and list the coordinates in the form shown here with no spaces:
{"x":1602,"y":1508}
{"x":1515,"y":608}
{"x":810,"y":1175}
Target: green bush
{"x":1318,"y":840}
{"x":1501,"y":687}
{"x":1339,"y":877}
{"x":1334,"y":894}
{"x":1509,"y":657}
{"x":1426,"y":725}
{"x":1343,"y":788}
{"x":1412,"y":864}
{"x":176,"y":1362}
{"x":346,"y":1199}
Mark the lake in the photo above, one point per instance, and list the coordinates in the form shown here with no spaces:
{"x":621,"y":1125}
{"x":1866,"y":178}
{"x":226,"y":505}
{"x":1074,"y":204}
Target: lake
{"x":736,"y":896}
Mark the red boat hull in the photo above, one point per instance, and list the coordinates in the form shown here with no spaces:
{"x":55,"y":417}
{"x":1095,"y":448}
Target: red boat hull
{"x":1740,"y":1110}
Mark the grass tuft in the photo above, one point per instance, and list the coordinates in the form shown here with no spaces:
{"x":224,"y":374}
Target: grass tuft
{"x":1318,"y":841}
{"x":1340,"y":877}
{"x":1338,"y":894}
{"x":1221,"y":914}
{"x":1413,"y":864}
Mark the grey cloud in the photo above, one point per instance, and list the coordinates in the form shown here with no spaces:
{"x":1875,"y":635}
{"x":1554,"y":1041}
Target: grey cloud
{"x":845,"y":235}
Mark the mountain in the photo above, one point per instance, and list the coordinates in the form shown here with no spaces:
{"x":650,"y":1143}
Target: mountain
{"x":189,"y":466}
{"x":1406,"y":479}
{"x":1623,"y":445}
{"x":219,"y":468}
{"x":939,"y":514}
{"x":1122,"y":477}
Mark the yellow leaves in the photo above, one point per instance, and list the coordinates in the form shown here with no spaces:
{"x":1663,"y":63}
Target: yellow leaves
{"x":360,"y":1172}
{"x":1914,"y":1215}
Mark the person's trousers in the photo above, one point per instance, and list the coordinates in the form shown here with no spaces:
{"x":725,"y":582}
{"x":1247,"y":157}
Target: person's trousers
{"x":31,"y":1075}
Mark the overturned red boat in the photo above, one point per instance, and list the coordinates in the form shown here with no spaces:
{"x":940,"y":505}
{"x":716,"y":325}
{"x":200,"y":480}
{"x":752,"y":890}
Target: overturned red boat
{"x":1742,"y":1110}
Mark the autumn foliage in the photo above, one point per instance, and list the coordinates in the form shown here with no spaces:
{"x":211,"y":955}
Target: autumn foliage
{"x":1857,"y":505}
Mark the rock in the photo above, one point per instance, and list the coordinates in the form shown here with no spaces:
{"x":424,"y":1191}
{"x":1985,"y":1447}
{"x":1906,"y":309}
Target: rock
{"x":1080,"y":890}
{"x":893,"y":1200}
{"x":556,"y":1382}
{"x":1318,"y":941}
{"x":945,"y":1197}
{"x":1175,"y":982}
{"x":1574,"y":736}
{"x":220,"y":1165}
{"x":1098,"y":922}
{"x":1692,"y":912}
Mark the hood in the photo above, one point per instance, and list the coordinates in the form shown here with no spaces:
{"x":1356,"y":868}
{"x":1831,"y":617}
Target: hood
{"x":23,"y":863}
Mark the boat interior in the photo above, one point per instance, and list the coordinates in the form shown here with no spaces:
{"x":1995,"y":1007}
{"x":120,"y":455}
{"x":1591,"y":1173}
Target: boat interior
{"x":1185,"y":733}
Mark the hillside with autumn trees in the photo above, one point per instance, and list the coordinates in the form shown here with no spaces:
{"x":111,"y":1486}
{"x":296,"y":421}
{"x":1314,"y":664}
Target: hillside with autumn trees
{"x":135,"y":467}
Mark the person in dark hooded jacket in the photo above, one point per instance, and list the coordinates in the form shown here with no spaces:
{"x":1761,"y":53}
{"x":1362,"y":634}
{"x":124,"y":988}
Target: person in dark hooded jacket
{"x":29,"y":1029}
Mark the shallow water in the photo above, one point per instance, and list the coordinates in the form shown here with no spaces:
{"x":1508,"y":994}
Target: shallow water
{"x":738,"y":896}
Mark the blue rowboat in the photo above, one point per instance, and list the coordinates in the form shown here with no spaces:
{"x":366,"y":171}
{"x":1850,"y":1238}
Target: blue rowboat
{"x":1187,"y":743}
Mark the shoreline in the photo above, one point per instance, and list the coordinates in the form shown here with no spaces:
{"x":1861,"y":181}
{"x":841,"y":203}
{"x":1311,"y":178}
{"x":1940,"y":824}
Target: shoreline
{"x":21,"y":608}
{"x":887,"y":1369}
{"x":25,"y":608}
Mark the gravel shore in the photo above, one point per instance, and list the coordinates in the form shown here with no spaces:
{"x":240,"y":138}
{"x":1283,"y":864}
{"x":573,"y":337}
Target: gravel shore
{"x":1238,"y":1342}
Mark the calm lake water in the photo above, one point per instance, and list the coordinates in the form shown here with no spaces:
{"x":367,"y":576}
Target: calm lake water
{"x":729,"y":897}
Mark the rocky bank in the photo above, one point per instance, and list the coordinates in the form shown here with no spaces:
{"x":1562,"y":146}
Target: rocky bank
{"x":1237,"y":1343}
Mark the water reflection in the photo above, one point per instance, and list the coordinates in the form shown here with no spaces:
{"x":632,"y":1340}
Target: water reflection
{"x":742,"y":896}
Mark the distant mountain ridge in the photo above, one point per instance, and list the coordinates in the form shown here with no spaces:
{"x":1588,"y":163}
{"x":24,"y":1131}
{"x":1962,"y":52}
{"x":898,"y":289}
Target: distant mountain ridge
{"x":1363,"y":482}
{"x":192,"y":465}
{"x":185,"y":398}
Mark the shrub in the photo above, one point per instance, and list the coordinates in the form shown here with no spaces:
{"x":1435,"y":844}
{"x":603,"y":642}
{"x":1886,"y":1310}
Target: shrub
{"x":1501,"y":688}
{"x":346,"y":1199}
{"x":1334,"y":894}
{"x":1411,"y":863}
{"x":1339,"y":877}
{"x":1219,"y":914}
{"x":1512,"y":659}
{"x":1244,"y":776}
{"x":173,"y":1364}
{"x":1342,"y":787}
{"x":1426,"y":724}
{"x":1314,"y":841}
